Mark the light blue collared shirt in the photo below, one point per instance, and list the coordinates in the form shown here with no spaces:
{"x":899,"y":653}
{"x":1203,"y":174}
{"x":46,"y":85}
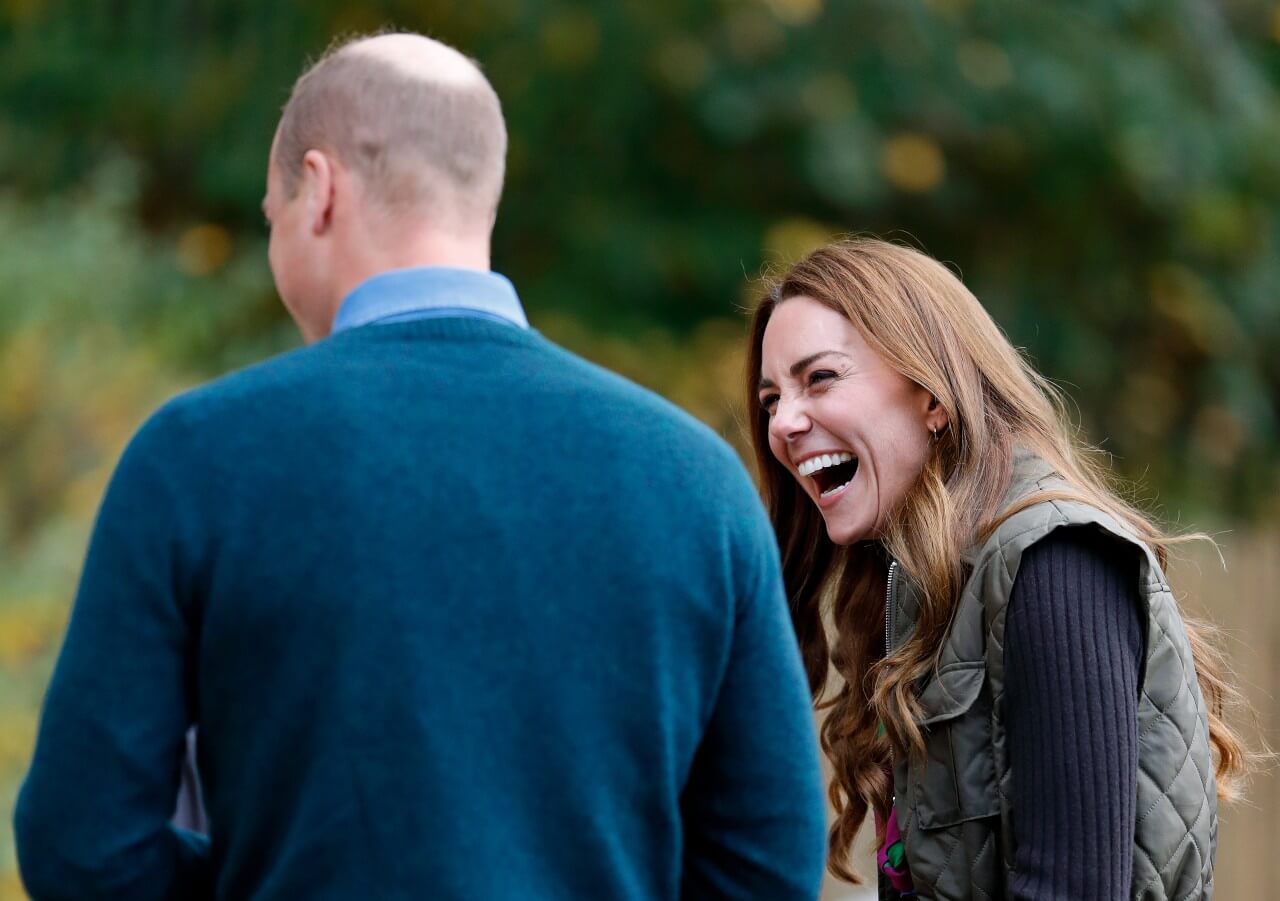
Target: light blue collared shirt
{"x":429,"y":292}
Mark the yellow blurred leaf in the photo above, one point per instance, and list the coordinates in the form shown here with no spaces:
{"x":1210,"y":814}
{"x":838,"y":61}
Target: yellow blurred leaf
{"x":683,"y":64}
{"x":204,"y":249}
{"x":22,"y":10}
{"x":913,"y":162}
{"x":28,"y":628}
{"x":796,"y":12}
{"x":1221,"y":222}
{"x":11,"y":887}
{"x":790,"y":240}
{"x":23,"y":365}
{"x":17,"y":738}
{"x":82,"y":497}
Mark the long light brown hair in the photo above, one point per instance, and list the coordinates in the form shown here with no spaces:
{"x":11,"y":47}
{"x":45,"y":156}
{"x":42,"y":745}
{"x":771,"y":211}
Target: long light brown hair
{"x":923,"y":322}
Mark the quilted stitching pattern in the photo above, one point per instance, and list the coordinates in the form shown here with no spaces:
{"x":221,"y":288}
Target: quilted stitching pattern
{"x":1177,"y":820}
{"x":1177,"y":827}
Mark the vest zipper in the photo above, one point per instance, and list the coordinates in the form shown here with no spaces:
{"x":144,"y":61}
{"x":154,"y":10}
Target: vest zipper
{"x":888,"y":607}
{"x":891,"y":582}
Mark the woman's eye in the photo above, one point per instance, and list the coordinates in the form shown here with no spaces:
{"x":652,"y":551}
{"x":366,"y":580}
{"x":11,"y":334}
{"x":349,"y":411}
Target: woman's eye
{"x":768,"y":402}
{"x":821,"y":375}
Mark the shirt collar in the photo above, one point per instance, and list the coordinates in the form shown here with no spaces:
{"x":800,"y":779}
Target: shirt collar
{"x":430,"y":291}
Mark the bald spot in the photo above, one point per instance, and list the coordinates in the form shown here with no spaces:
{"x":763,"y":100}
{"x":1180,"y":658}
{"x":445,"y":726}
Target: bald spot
{"x":416,"y":56}
{"x":415,"y":119}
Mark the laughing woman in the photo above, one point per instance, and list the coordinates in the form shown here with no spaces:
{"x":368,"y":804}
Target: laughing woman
{"x":1021,"y":705}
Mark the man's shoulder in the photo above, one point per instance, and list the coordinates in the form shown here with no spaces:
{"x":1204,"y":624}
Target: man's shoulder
{"x":677,"y":452}
{"x":242,"y":392}
{"x":634,"y":407}
{"x":203,"y":422}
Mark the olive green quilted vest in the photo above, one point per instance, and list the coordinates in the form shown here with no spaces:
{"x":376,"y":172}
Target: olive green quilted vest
{"x":955,"y":810}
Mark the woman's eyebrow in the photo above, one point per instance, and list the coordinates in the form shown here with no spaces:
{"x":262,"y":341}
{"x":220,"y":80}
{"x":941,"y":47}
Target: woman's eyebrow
{"x":800,"y":365}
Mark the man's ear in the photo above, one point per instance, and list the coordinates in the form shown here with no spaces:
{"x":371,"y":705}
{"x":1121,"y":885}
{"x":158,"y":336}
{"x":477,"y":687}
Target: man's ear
{"x":317,"y":183}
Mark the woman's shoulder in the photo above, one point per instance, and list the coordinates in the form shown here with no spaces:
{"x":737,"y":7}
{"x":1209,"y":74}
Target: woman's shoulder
{"x":1049,"y":508}
{"x":1052,"y":518}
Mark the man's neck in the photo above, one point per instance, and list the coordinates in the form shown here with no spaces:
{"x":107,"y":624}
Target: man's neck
{"x":423,"y":250}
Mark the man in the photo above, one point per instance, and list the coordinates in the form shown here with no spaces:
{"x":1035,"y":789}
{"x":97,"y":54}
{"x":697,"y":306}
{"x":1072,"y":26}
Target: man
{"x":458,"y":615}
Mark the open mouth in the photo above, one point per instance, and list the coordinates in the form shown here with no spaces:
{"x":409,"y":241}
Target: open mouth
{"x":830,"y":472}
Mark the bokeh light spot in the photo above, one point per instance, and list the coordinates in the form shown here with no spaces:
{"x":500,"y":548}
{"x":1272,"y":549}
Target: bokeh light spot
{"x":683,"y":64}
{"x":204,"y":249}
{"x":796,"y":12}
{"x":984,"y":64}
{"x":913,"y":162}
{"x":789,"y":240}
{"x":753,"y":35}
{"x":829,"y":96}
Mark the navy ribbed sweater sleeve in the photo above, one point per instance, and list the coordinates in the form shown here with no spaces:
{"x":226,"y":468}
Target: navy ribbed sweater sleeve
{"x":1073,"y":642}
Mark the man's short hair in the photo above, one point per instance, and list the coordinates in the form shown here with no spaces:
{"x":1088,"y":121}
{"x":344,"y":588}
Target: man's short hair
{"x":424,"y":131}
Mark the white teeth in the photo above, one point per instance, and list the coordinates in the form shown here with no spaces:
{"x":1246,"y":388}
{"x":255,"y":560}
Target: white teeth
{"x":823,"y":461}
{"x":831,"y":491}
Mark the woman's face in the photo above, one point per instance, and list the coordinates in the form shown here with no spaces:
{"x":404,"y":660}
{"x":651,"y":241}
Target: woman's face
{"x":853,"y":431}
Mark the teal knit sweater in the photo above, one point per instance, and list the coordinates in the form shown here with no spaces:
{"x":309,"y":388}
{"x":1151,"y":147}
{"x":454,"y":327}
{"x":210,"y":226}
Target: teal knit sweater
{"x":458,"y":615}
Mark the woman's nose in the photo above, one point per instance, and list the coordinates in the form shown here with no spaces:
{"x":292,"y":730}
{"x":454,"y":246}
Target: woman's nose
{"x":789,"y":421}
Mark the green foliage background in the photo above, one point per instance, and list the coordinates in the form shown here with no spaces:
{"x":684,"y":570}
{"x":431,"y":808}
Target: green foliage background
{"x":1105,"y":175}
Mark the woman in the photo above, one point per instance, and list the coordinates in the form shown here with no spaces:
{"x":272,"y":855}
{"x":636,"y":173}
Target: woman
{"x":1021,"y":706}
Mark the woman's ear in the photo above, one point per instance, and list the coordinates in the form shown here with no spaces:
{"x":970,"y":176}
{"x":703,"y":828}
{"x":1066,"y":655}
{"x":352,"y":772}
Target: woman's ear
{"x":936,"y":419}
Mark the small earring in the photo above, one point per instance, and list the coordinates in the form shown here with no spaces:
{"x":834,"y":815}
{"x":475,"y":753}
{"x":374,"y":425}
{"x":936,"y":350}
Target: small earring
{"x":934,"y":431}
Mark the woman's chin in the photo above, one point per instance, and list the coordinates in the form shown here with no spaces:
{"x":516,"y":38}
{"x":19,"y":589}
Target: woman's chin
{"x":845,"y":533}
